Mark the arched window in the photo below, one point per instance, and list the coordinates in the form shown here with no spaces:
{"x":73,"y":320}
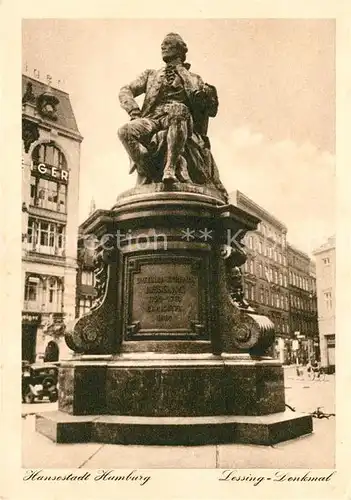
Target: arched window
{"x":48,"y":185}
{"x":49,"y":154}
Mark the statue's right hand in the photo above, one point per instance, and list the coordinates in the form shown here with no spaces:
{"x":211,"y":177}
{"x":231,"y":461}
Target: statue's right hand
{"x":135,"y":113}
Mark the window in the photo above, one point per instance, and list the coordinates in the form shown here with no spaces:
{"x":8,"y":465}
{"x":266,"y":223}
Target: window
{"x":328,"y":300}
{"x":52,"y":294}
{"x":286,"y":302}
{"x":52,"y":291}
{"x":252,"y":269}
{"x":50,"y":194}
{"x":62,"y":198}
{"x":276,"y":277}
{"x":277,"y":301}
{"x":85,"y":305}
{"x":284,"y":260}
{"x":45,"y":237}
{"x":252,"y":293}
{"x":53,"y":297}
{"x":260,"y":247}
{"x":280,"y":279}
{"x":267,"y":296}
{"x":260,"y":271}
{"x":31,"y":291}
{"x":285,"y":280}
{"x":49,"y":154}
{"x":271,"y":274}
{"x":251,"y":242}
{"x":326,"y":261}
{"x":275,"y":255}
{"x":261,"y":295}
{"x":88,"y":278}
{"x":246,"y":293}
{"x":43,"y":293}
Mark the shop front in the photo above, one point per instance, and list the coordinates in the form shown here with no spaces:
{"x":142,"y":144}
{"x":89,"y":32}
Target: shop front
{"x":30,"y":324}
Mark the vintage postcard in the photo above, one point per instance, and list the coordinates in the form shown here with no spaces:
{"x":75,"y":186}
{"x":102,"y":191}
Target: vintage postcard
{"x":175,"y":252}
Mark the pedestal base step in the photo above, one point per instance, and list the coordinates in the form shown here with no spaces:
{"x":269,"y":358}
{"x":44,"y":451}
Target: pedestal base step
{"x":186,"y":431}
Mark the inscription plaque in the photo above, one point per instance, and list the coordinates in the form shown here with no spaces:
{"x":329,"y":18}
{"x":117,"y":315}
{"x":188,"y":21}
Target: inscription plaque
{"x":165,"y":298}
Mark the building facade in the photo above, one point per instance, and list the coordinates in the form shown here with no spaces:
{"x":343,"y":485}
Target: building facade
{"x":303,"y":305}
{"x":271,"y":277}
{"x":266,"y":271}
{"x":50,"y":184}
{"x":325,"y":274}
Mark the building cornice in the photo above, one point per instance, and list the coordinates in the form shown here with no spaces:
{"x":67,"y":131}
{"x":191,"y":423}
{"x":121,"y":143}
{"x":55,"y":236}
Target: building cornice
{"x":45,"y":124}
{"x":295,"y":250}
{"x":49,"y":215}
{"x":329,"y":245}
{"x":257,"y":209}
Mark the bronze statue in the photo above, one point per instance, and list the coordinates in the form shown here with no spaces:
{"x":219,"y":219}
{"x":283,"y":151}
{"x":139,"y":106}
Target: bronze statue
{"x":167,"y":139}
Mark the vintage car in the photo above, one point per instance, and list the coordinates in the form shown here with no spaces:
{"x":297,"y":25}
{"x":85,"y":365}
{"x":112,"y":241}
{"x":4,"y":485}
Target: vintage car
{"x":39,"y":380}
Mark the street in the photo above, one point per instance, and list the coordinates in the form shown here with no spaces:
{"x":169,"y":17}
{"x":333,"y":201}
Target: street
{"x":315,"y":451}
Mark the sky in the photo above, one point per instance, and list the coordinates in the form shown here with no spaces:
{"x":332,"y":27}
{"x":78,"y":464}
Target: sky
{"x":273,"y":137}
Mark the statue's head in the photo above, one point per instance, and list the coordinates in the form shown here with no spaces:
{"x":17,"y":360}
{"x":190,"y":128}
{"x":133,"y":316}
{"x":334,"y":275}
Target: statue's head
{"x":173,"y":47}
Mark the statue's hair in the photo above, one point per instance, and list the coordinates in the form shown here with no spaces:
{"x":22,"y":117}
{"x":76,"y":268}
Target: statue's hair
{"x":181,"y":44}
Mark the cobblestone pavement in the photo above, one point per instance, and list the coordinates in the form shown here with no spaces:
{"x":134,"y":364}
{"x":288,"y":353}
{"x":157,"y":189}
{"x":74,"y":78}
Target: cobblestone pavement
{"x":315,"y":451}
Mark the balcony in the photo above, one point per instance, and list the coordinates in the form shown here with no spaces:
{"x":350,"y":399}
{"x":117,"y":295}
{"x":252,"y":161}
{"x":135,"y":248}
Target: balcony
{"x":47,"y":213}
{"x":38,"y":307}
{"x":44,"y":254}
{"x":32,"y":306}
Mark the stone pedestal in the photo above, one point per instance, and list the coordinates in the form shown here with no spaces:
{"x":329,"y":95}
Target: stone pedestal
{"x":171,"y":353}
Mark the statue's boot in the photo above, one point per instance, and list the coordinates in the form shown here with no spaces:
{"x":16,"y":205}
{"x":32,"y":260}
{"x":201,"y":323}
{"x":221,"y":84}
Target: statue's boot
{"x":182,"y":170}
{"x":169,"y":176}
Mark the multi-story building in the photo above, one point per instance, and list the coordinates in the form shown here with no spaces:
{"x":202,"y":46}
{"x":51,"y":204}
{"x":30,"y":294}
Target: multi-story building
{"x":303,"y":304}
{"x":279,"y":282}
{"x":266,"y":271}
{"x":50,"y":181}
{"x":325,"y":275}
